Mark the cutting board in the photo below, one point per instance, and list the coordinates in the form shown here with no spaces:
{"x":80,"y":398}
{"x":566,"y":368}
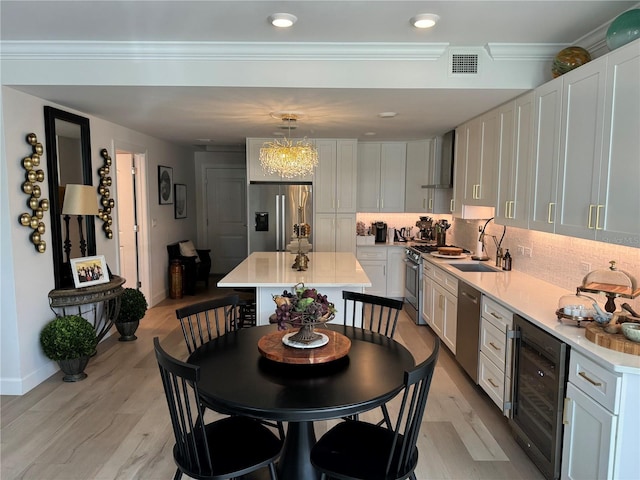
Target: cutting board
{"x":612,"y":341}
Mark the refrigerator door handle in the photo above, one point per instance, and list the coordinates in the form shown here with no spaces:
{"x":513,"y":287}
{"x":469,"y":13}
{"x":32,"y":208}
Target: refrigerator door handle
{"x":277,"y":223}
{"x":283,"y":223}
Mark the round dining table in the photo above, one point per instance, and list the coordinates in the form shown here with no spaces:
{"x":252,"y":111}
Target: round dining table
{"x":235,"y":378}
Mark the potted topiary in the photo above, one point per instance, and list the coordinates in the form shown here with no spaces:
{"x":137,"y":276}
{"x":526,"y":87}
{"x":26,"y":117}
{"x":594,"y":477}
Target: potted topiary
{"x":133,"y":306}
{"x":69,"y":340}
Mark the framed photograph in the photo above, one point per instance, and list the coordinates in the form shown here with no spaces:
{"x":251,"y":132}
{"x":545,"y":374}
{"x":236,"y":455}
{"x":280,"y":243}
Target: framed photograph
{"x":165,"y":185}
{"x":89,"y":271}
{"x":180,"y":194}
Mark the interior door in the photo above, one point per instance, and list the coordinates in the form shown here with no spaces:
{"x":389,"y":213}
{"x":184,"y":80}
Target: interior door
{"x":226,"y":195}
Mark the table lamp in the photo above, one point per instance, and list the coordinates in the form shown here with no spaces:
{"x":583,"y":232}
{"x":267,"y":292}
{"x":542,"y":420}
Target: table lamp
{"x":78,"y":200}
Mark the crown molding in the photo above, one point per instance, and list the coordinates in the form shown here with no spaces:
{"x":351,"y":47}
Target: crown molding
{"x":238,"y":51}
{"x":524,"y":51}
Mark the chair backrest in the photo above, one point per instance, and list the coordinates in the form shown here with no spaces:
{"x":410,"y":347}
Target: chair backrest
{"x":403,"y":456}
{"x":203,"y":321}
{"x":379,"y":314}
{"x":180,"y":382}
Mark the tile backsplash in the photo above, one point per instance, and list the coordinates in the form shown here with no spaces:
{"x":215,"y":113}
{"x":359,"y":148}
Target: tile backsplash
{"x":557,"y":259}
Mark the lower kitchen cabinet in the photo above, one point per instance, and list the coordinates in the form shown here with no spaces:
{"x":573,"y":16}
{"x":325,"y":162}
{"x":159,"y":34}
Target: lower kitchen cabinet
{"x":495,"y":352}
{"x":601,"y":421}
{"x":440,"y":303}
{"x":385,"y":268}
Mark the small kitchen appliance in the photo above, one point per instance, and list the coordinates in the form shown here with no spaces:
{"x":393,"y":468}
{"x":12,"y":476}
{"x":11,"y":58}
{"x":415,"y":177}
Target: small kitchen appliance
{"x":379,"y":230}
{"x":425,"y":224}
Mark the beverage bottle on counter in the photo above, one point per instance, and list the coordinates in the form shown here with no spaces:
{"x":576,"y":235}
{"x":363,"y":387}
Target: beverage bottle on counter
{"x":506,"y":261}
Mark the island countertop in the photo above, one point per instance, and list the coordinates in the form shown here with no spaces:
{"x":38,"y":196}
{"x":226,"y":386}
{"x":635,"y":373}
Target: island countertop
{"x":273,"y":269}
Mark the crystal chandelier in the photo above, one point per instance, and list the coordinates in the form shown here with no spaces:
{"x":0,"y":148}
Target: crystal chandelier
{"x":286,"y":158}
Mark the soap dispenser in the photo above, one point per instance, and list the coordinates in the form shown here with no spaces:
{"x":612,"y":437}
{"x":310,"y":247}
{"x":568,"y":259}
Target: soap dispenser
{"x":506,"y":261}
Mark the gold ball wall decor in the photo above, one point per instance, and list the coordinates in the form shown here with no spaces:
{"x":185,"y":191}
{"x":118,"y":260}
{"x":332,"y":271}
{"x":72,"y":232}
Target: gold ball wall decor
{"x":103,"y":190}
{"x":33,"y":220}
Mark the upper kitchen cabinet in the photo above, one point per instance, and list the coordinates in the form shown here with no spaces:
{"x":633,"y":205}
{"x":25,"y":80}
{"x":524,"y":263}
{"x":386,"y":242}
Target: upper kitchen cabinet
{"x":546,"y":154}
{"x":255,"y":173}
{"x":424,"y":190}
{"x":482,"y":138}
{"x":515,"y":151}
{"x":381,"y":177}
{"x":335,"y":177}
{"x":585,"y":179}
{"x":459,"y":170}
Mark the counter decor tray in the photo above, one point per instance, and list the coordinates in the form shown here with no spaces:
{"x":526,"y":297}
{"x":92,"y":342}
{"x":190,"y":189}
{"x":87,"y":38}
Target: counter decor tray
{"x":271,"y":346}
{"x":573,"y":319}
{"x":613,"y":341}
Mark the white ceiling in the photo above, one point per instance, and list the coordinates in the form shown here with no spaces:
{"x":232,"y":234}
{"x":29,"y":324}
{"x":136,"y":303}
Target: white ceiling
{"x":228,"y":114}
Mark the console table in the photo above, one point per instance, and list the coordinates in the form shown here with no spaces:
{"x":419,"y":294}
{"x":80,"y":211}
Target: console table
{"x":99,"y":304}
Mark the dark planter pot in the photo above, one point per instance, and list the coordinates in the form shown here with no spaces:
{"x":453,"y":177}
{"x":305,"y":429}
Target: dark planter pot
{"x":127,"y":330}
{"x":74,"y":368}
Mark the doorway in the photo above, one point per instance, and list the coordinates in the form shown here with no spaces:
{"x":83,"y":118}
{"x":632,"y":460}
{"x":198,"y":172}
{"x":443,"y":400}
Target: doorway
{"x":226,"y":206}
{"x":132,"y":214}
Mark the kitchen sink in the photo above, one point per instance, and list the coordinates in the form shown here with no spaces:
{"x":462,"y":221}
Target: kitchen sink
{"x":474,"y":267}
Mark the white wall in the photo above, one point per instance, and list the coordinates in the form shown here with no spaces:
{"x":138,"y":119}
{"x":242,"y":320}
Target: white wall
{"x":27,"y":276}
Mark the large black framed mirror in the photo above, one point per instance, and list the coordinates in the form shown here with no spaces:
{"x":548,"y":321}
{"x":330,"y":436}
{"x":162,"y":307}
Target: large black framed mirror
{"x":68,"y":162}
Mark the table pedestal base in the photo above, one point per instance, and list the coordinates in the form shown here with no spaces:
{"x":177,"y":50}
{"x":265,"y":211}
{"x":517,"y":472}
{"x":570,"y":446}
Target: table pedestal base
{"x":295,"y":460}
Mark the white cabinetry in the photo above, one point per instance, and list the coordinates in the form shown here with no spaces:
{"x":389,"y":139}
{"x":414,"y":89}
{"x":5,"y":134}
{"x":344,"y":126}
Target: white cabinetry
{"x":483,"y":138}
{"x":384,"y":266}
{"x":516,"y":132}
{"x":495,"y":352}
{"x":381,"y":176}
{"x":459,"y":170}
{"x":255,"y":173}
{"x":334,"y":232}
{"x":422,"y":156}
{"x":440,"y":303}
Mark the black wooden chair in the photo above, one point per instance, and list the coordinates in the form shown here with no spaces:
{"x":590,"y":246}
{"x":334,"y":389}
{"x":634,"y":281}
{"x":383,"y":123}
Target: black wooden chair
{"x":204,"y":321}
{"x":196,"y":267}
{"x":379,"y":314}
{"x":362,"y":451}
{"x":211,"y":451}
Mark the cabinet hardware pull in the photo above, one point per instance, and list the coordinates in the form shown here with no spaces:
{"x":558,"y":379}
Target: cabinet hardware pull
{"x":592,"y":382}
{"x":598,"y":227}
{"x":551,"y":205}
{"x":506,"y":208}
{"x":495,"y":315}
{"x":512,"y":204}
{"x":567,"y":402}
{"x":492,"y":384}
{"x":494,"y":346}
{"x":430,"y":203}
{"x":589,"y":225}
{"x":423,"y":202}
{"x":452,"y":204}
{"x":382,"y":204}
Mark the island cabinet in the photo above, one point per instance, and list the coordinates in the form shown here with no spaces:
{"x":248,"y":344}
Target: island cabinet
{"x":381,"y":177}
{"x":585,"y":169}
{"x":601,"y":421}
{"x":335,"y":196}
{"x":515,"y":151}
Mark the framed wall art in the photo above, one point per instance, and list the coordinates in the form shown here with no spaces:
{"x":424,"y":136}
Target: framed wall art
{"x":89,"y":271}
{"x":165,"y":185}
{"x":180,"y":194}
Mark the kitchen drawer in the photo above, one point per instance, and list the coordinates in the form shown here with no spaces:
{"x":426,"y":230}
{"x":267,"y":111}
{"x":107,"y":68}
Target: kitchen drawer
{"x":600,"y":384}
{"x":493,"y":343}
{"x":371,"y":253}
{"x":491,"y":379}
{"x":448,"y":281}
{"x":500,"y":316}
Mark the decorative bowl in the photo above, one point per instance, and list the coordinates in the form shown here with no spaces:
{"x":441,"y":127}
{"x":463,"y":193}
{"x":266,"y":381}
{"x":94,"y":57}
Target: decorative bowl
{"x":631,"y":331}
{"x":624,"y":29}
{"x":569,"y":58}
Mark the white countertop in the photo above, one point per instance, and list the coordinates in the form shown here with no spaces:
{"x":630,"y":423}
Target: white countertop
{"x":537,"y":301}
{"x":273,"y":269}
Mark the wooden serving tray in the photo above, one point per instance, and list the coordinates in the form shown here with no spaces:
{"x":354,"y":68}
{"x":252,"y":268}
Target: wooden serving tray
{"x":270,"y":346}
{"x":612,"y":341}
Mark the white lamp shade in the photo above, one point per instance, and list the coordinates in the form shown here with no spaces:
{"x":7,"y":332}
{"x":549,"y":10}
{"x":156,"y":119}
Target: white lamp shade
{"x":80,"y":200}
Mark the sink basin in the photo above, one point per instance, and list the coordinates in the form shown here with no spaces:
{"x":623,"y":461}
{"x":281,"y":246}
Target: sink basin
{"x":474,"y":267}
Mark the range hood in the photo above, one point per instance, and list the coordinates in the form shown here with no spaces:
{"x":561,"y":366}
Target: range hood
{"x":443,"y":168}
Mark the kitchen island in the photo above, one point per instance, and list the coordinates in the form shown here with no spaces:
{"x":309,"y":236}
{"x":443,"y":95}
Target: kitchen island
{"x":271,"y":273}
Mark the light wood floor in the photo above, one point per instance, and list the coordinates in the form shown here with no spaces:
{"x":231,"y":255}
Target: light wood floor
{"x":115,"y":424}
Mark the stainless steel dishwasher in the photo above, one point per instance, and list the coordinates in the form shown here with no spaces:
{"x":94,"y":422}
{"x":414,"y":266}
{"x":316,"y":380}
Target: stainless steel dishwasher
{"x":468,"y":329}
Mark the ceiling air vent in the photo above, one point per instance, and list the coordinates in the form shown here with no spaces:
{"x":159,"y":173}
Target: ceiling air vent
{"x":464,"y":63}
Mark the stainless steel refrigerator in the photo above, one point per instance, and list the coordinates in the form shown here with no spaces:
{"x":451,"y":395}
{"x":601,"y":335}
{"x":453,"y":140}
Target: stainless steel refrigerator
{"x":274,"y":209}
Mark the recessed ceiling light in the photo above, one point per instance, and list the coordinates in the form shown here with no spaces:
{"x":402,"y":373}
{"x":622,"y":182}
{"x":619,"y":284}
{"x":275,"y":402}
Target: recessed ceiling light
{"x":282,"y":20}
{"x":425,"y":20}
{"x":387,"y":114}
